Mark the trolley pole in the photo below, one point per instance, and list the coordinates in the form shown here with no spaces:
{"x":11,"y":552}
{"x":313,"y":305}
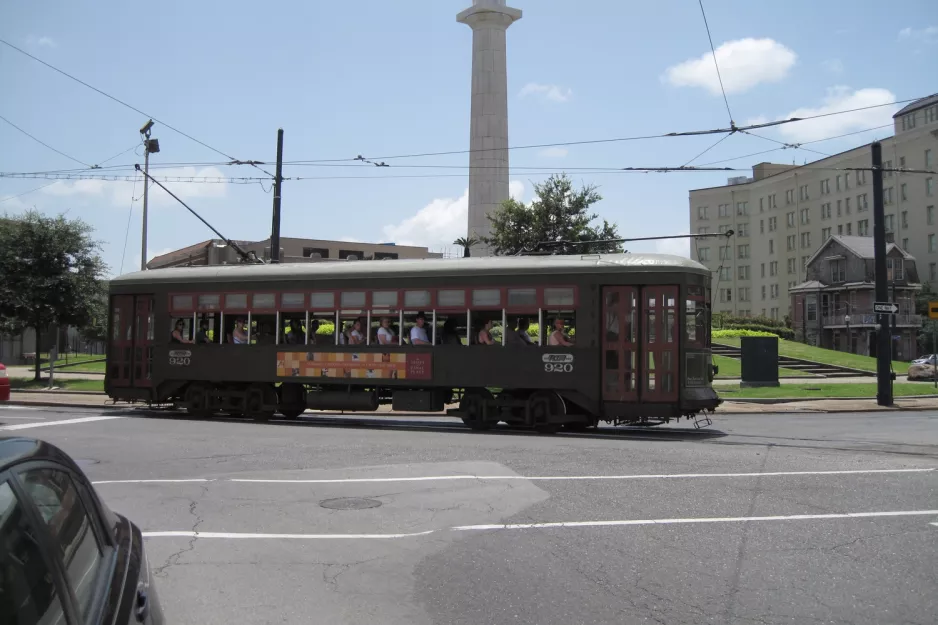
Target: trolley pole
{"x":884,"y":325}
{"x":146,"y":186}
{"x":278,"y":183}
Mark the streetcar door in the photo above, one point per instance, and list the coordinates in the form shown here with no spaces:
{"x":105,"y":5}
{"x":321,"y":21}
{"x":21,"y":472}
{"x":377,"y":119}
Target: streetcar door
{"x":620,"y":343}
{"x":660,"y":345}
{"x":143,"y":341}
{"x":120,"y":349}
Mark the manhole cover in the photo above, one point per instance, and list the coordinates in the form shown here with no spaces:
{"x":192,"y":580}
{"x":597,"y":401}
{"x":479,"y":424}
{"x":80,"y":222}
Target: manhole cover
{"x":350,"y":503}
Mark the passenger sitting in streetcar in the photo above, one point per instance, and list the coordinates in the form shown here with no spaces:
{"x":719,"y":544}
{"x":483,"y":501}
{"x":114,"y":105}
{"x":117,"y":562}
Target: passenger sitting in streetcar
{"x":484,"y":334}
{"x":355,"y":336}
{"x":519,"y":336}
{"x":313,"y":331}
{"x":557,"y":337}
{"x":396,"y":331}
{"x":296,"y":335}
{"x":343,"y":334}
{"x":202,"y":335}
{"x":240,"y":335}
{"x":449,"y":335}
{"x":386,"y":335}
{"x":176,"y":336}
{"x":418,"y":333}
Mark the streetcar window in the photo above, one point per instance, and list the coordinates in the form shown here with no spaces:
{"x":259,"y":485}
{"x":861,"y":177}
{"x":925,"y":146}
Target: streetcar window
{"x":293,"y":329}
{"x":236,"y":330}
{"x":209,"y":302}
{"x":384,"y":299}
{"x":293,"y":301}
{"x":486,"y":328}
{"x":237,"y":301}
{"x":559,"y":328}
{"x":521,"y":334}
{"x":451,"y":298}
{"x":321,"y":330}
{"x":263,"y":301}
{"x":353,"y":299}
{"x":559,"y":296}
{"x":263,"y":328}
{"x":207,"y":328}
{"x":451,"y":329}
{"x":417,"y":299}
{"x":486,"y":297}
{"x":522,"y":297}
{"x":322,"y":300}
{"x":182,"y":302}
{"x":181,"y":330}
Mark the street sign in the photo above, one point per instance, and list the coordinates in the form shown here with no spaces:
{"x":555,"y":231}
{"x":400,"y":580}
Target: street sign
{"x":933,"y":310}
{"x":885,"y":307}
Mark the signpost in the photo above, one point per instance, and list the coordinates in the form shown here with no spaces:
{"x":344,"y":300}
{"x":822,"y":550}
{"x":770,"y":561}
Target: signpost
{"x":885,"y":307}
{"x":933,"y":314}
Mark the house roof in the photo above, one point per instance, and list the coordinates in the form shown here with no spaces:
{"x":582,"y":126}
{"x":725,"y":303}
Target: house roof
{"x":918,"y":104}
{"x":810,"y":285}
{"x":861,"y":247}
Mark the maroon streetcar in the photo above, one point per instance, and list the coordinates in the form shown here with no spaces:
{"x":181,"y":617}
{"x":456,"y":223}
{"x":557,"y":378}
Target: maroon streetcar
{"x":534,"y":341}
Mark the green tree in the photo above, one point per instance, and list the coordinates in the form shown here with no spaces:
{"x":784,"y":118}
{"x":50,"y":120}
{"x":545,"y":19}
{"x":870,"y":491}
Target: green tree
{"x":50,"y":273}
{"x":557,"y":221}
{"x":467,"y":243}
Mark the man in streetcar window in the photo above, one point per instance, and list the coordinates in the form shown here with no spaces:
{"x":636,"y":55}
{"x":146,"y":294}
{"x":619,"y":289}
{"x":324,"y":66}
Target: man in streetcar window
{"x":418,"y":333}
{"x":519,"y":336}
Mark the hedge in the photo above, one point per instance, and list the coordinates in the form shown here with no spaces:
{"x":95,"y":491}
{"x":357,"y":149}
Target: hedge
{"x":735,"y":334}
{"x":783,"y":333}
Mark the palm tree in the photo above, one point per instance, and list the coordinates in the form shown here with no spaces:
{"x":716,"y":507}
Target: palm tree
{"x":466,"y":243}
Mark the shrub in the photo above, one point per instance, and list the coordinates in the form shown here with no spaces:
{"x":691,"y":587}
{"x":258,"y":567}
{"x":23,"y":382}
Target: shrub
{"x":734,"y":334}
{"x":735,"y":331}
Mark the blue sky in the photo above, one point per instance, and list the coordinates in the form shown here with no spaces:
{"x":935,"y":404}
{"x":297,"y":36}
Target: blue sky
{"x":382,"y":78}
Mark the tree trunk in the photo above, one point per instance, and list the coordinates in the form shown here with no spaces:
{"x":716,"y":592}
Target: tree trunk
{"x":38,"y":375}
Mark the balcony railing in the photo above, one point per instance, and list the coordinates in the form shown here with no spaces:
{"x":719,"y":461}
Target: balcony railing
{"x":868,"y":318}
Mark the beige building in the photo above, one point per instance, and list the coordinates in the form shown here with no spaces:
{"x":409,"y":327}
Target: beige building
{"x":217,"y":252}
{"x":784,"y":213}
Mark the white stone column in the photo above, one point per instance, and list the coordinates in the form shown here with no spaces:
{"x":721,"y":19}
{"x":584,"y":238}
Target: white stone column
{"x":488,"y":131}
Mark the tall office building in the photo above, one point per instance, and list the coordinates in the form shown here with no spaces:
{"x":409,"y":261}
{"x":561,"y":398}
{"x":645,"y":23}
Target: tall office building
{"x":784,"y":213}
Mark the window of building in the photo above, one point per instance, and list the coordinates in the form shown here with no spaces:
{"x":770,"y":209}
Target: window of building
{"x":703,"y":254}
{"x":887,"y":195}
{"x":903,"y":192}
{"x":804,"y":262}
{"x":29,"y":592}
{"x":863,"y":227}
{"x":790,"y":242}
{"x":931,"y":243}
{"x":315,"y":252}
{"x":761,"y":226}
{"x":811,"y":306}
{"x":895,"y":268}
{"x":790,"y":217}
{"x":887,"y":166}
{"x":904,"y":221}
{"x":771,"y":246}
{"x":861,"y":177}
{"x":742,"y":208}
{"x":773,"y":293}
{"x":761,"y":204}
{"x":838,"y":270}
{"x":838,"y":182}
{"x":840,"y":206}
{"x":743,"y":251}
{"x":803,"y":192}
{"x":763,"y":270}
{"x":930,"y":215}
{"x":744,"y":294}
{"x":846,"y":180}
{"x":726,"y":252}
{"x":825,"y":234}
{"x":742,"y":230}
{"x":805,"y":239}
{"x":791,"y":265}
{"x":703,"y":230}
{"x":743,"y":272}
{"x":702,"y":212}
{"x":862,"y":202}
{"x":773,"y":224}
{"x":826,"y":210}
{"x":726,"y":295}
{"x":905,"y":244}
{"x":928,"y":162}
{"x":840,"y":229}
{"x":929,"y":187}
{"x":805,"y":215}
{"x":889,"y":222}
{"x":790,"y":196}
{"x":931,"y":114}
{"x":825,"y":187}
{"x":351,"y":254}
{"x":385,"y":256}
{"x":70,"y":528}
{"x":847,"y":205}
{"x":773,"y":268}
{"x":724,"y":210}
{"x":932,"y":271}
{"x":724,"y":273}
{"x":908,"y":121}
{"x":763,"y":291}
{"x":772,"y":203}
{"x":849,"y":228}
{"x":723,"y":228}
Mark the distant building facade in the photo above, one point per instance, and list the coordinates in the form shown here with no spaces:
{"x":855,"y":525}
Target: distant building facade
{"x":833,"y":308}
{"x":292,"y":250}
{"x":783,"y":213}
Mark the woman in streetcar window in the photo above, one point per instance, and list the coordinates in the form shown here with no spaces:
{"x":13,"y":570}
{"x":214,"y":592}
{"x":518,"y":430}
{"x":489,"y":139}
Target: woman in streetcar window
{"x":239,"y":336}
{"x":177,"y":336}
{"x":484,"y":335}
{"x":385,"y":333}
{"x":355,"y":336}
{"x":557,"y":337}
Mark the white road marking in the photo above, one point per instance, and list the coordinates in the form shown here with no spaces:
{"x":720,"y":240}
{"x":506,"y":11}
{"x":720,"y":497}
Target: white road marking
{"x":25,"y":426}
{"x":15,"y":407}
{"x":524,"y":526}
{"x":742,"y":519}
{"x":150,"y":481}
{"x":188,"y":534}
{"x":577,"y":477}
{"x":5,"y":417}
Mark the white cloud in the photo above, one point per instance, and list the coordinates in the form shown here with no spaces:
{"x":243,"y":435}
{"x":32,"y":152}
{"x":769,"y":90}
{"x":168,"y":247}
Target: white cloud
{"x":834,"y":66}
{"x":678,"y":247}
{"x":554,"y":152}
{"x":43,"y":41}
{"x":554,"y":93}
{"x":440,"y":222}
{"x":840,"y":99}
{"x":744,"y":63}
{"x":118,"y":193}
{"x":929,"y":34}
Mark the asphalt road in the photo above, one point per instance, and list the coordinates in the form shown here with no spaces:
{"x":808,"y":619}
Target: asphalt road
{"x":758,"y":519}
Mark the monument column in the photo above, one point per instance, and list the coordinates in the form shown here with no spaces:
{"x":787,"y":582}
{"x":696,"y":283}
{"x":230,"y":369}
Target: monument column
{"x":488,"y":128}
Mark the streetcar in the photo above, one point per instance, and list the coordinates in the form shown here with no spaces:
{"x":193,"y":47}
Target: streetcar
{"x":542,"y":342}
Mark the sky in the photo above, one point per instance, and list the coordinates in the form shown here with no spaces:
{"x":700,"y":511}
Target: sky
{"x":386,"y":79}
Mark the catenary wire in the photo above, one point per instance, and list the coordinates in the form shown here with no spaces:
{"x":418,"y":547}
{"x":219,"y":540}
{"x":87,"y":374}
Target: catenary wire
{"x":715,"y":64}
{"x":43,"y":143}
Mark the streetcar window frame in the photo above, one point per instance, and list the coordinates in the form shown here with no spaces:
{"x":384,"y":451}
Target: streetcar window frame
{"x":451,"y":304}
{"x":426,"y":304}
{"x":228,"y":306}
{"x":263,"y":307}
{"x":475,"y":305}
{"x":292,"y":296}
{"x":378,"y":301}
{"x":354,"y":304}
{"x":177,"y":302}
{"x":205,"y":302}
{"x":312,"y":301}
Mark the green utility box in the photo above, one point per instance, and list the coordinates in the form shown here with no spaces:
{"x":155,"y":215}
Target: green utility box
{"x":759,"y":361}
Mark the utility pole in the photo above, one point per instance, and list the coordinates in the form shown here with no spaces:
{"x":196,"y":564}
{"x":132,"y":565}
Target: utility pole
{"x":278,"y":183}
{"x":149,"y":145}
{"x":884,"y":325}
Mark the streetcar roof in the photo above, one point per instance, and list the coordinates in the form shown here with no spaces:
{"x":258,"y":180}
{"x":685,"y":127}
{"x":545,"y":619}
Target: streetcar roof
{"x":422,"y":267}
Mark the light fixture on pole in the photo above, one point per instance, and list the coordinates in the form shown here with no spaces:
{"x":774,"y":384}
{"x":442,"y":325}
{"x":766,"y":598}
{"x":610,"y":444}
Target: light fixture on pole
{"x":847,"y":322}
{"x":149,"y":146}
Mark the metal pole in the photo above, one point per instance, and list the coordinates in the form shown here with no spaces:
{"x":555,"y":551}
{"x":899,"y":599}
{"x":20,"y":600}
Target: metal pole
{"x":884,"y":335}
{"x":278,"y":182}
{"x":146,"y":186}
{"x":934,"y":350}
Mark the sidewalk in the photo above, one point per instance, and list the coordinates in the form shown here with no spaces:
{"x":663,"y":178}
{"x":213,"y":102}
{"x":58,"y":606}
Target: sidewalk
{"x":64,"y":399}
{"x":29,"y":372}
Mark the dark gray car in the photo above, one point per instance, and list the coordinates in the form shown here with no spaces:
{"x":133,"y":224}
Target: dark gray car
{"x":65,"y":558}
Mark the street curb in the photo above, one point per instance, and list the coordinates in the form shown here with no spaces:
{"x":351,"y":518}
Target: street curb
{"x":53,"y":404}
{"x":65,"y":392}
{"x":793,"y":400}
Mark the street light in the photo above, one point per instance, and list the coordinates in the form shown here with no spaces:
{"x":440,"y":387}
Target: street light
{"x":849,"y":344}
{"x":149,"y":146}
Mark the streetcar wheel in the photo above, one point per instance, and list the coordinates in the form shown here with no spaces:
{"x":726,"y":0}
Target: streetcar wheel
{"x":542,"y":405}
{"x":291,"y":413}
{"x":197,"y":401}
{"x":471,"y":405}
{"x":257,"y":402}
{"x":292,"y":400}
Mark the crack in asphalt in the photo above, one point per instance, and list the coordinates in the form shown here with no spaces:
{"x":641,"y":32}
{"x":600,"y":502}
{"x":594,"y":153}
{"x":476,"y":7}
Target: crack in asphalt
{"x":173,"y":558}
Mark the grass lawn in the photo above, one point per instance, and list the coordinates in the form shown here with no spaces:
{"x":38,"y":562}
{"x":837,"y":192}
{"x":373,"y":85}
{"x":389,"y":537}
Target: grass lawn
{"x":69,"y":385}
{"x":730,"y":368}
{"x":72,"y":358}
{"x":85,"y":367}
{"x":827,"y":356}
{"x":822,"y":391}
